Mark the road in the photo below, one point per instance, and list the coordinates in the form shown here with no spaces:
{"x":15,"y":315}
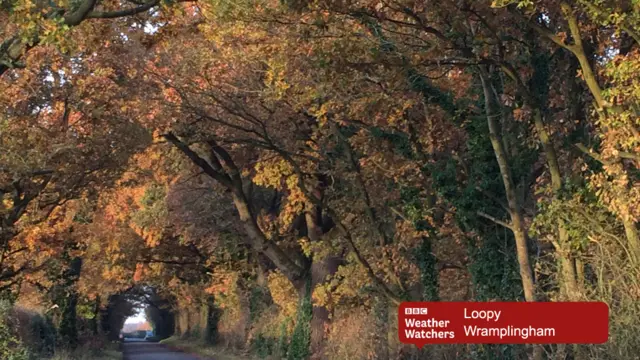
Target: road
{"x":134,"y":349}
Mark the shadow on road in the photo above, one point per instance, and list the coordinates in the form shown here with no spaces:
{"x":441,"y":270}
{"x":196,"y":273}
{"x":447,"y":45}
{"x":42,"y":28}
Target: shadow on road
{"x":141,"y":349}
{"x":137,"y":340}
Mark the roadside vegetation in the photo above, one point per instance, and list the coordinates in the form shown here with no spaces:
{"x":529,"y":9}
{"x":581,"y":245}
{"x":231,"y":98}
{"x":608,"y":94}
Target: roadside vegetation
{"x":29,"y":335}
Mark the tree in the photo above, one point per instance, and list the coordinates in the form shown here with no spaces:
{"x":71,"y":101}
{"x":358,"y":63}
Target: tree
{"x":349,"y":154}
{"x":31,"y":23}
{"x":58,"y":147}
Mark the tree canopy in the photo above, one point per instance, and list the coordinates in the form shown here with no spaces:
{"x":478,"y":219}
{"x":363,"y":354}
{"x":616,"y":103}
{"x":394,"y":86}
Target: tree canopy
{"x":331,"y":157}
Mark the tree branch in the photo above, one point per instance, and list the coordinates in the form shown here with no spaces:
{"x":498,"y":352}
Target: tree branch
{"x":495,"y":220}
{"x":76,"y":17}
{"x":395,"y":299}
{"x":122,"y":13}
{"x":234,"y":173}
{"x":14,"y":48}
{"x":544,"y":31}
{"x":219,"y":176}
{"x":592,"y":154}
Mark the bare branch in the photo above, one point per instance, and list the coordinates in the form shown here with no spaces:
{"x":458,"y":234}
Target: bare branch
{"x":495,"y":220}
{"x":122,"y":13}
{"x":76,"y":17}
{"x":219,"y":176}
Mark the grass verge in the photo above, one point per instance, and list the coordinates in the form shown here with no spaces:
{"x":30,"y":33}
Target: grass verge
{"x":110,"y":352}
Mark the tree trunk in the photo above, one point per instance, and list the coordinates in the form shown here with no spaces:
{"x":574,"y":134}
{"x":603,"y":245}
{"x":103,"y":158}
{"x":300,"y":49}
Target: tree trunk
{"x":381,"y":314}
{"x":177,"y":331}
{"x":563,"y":245}
{"x":68,"y":324}
{"x":515,"y":211}
{"x":320,"y":269}
{"x":631,"y":230}
{"x":428,"y":271}
{"x":291,"y":270}
{"x":211,"y":317}
{"x":96,"y":316}
{"x":232,"y":180}
{"x":517,"y":222}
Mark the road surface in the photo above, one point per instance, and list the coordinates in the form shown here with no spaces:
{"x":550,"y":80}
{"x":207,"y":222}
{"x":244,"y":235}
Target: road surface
{"x":134,"y":349}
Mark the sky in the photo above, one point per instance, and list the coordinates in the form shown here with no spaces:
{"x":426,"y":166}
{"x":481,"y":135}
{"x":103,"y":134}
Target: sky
{"x":137,"y":318}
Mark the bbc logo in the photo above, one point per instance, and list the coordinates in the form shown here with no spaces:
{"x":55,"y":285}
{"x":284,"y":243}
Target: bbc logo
{"x":415,"y":311}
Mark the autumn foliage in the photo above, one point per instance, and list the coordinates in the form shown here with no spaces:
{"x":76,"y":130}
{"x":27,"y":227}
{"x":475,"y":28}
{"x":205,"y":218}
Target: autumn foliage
{"x":279,"y":175}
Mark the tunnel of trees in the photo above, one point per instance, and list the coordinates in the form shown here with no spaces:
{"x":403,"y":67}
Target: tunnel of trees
{"x":275,"y":177}
{"x":159,"y":312}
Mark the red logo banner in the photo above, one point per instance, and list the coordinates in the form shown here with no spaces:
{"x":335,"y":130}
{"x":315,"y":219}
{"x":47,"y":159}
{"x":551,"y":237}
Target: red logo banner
{"x":422,"y":323}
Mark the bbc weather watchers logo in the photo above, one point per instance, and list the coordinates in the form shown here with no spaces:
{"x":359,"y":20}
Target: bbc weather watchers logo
{"x":415,"y":311}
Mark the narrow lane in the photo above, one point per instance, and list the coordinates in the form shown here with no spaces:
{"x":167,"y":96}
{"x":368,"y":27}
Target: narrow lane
{"x":144,"y":350}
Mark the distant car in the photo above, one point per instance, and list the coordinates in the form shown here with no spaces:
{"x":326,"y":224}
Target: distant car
{"x":149,"y":334}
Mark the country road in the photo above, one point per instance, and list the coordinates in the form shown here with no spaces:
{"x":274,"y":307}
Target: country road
{"x":143,"y":350}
